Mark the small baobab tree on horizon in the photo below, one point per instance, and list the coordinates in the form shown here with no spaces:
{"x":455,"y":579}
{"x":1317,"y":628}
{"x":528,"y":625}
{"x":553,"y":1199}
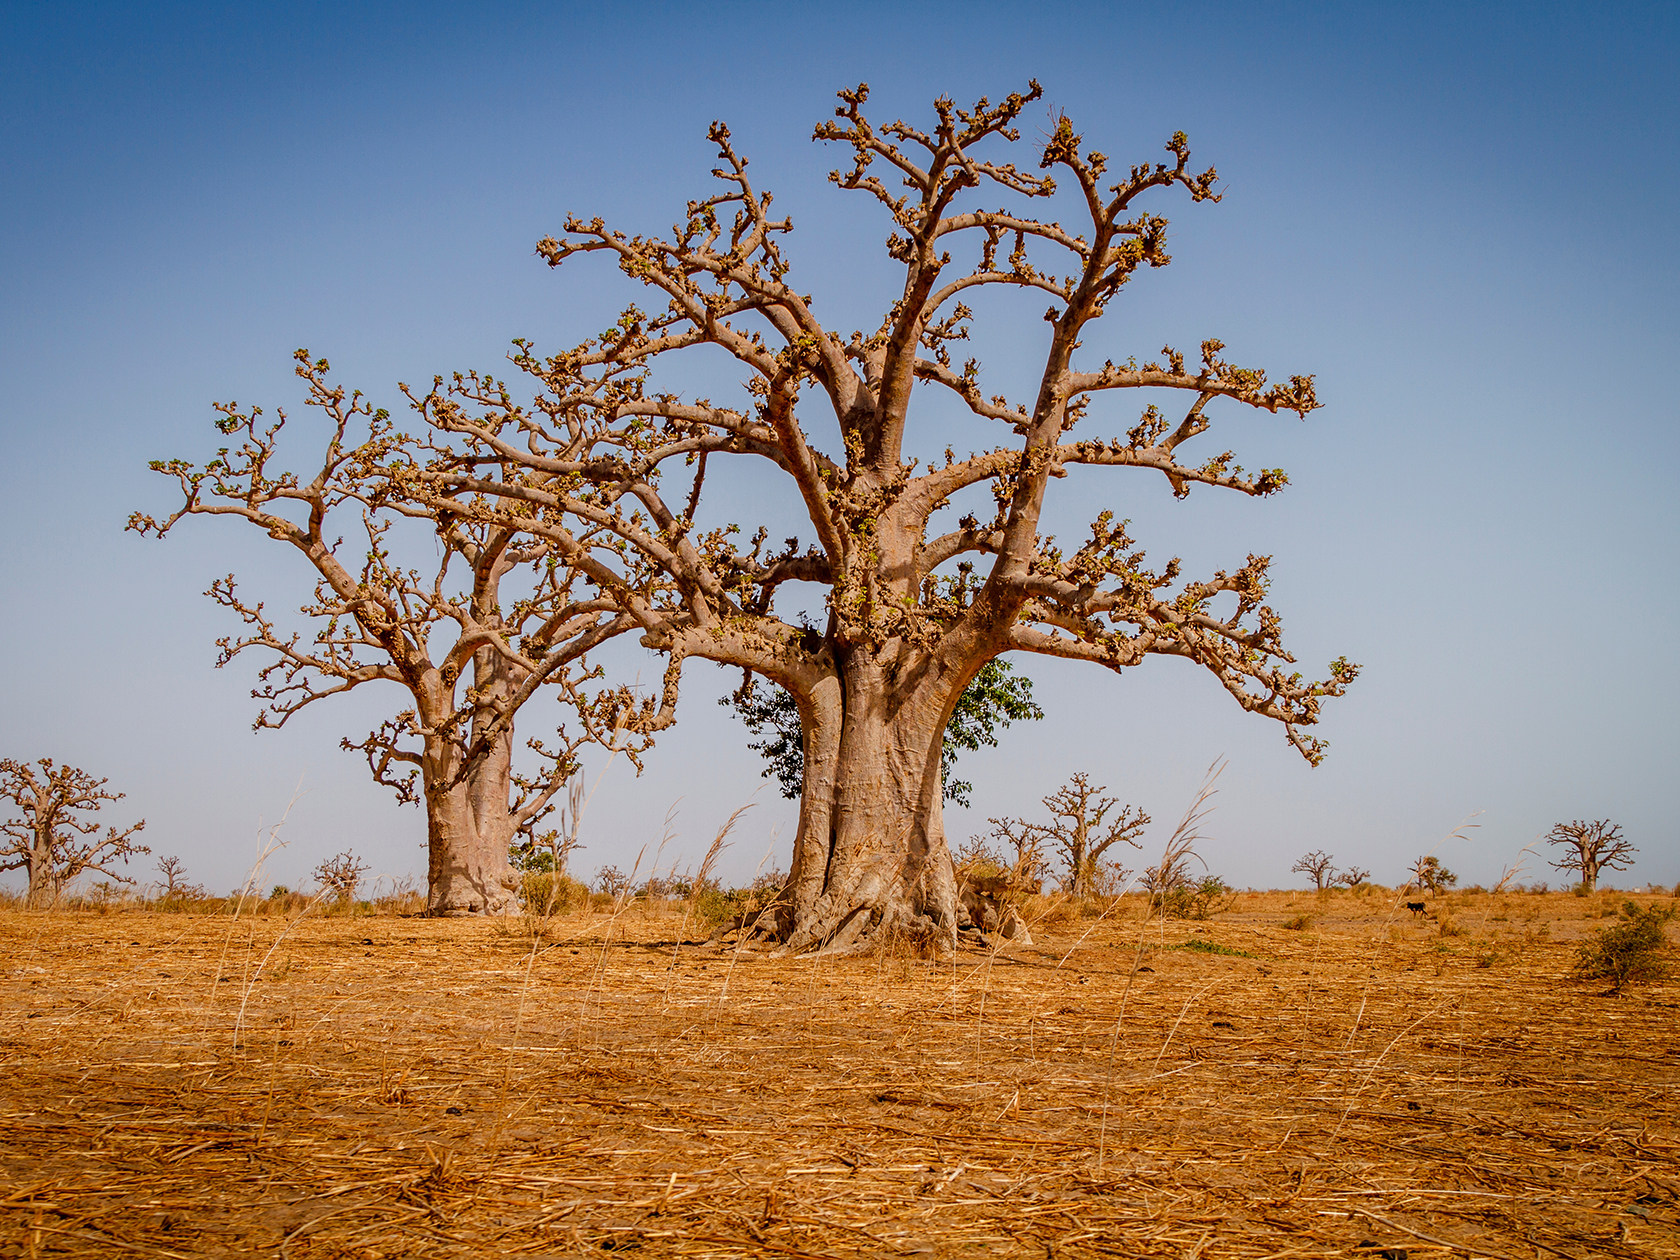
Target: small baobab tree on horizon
{"x":340,"y":876}
{"x":928,"y":565}
{"x":1428,"y":873}
{"x":490,"y":621}
{"x":1083,"y":828}
{"x":1353,"y":877}
{"x":56,"y":838}
{"x":1590,"y":849}
{"x":1318,"y":864}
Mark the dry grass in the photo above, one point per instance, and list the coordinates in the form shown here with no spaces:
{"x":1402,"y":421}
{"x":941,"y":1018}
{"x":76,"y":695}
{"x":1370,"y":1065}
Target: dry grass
{"x":421,"y":1088}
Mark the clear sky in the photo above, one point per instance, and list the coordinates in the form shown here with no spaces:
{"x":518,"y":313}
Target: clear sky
{"x":1460,"y":218}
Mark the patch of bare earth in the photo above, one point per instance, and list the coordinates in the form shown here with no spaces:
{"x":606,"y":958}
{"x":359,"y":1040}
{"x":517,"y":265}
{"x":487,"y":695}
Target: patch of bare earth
{"x":180,"y":1086}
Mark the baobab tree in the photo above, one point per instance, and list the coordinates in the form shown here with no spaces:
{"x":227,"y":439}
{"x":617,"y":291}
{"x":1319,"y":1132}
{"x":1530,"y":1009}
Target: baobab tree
{"x":920,"y":594}
{"x":469,"y":653}
{"x":1591,"y":849}
{"x":1427,"y":872}
{"x":1318,"y":864}
{"x":1081,"y":829}
{"x":46,"y":841}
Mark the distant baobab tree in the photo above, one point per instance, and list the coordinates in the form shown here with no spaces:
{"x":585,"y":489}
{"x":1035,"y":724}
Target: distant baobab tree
{"x":1319,"y":865}
{"x":928,"y":566}
{"x":468,"y":646}
{"x":53,"y":837}
{"x":1083,"y":827}
{"x":1590,"y":849}
{"x":1427,"y":872}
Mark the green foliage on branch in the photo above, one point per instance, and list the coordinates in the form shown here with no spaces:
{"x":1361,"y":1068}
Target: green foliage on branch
{"x":996,"y":697}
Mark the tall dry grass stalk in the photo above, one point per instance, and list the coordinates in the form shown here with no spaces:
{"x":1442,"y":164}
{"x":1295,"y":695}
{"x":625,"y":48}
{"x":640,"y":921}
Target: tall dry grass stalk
{"x":621,"y":902}
{"x":271,"y":844}
{"x":1460,"y":832}
{"x":698,"y":885}
{"x":747,"y":930}
{"x":1179,"y":849}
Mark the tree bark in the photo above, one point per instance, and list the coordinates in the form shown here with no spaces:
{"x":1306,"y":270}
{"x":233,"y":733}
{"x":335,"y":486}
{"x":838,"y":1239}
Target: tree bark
{"x":43,"y":889}
{"x":470,"y":825}
{"x":870,"y":855}
{"x":468,"y":838}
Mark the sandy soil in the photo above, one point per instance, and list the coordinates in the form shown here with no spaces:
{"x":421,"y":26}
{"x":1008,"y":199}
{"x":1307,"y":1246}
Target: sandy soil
{"x":360,"y":1087}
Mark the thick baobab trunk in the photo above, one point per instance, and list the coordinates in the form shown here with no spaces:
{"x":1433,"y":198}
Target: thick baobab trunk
{"x":43,"y":888}
{"x":469,"y":832}
{"x":470,"y":828}
{"x":871,"y":853}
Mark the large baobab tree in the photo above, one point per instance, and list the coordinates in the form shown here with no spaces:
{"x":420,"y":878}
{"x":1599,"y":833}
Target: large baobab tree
{"x":490,"y":621}
{"x":47,"y":841}
{"x":916,"y":602}
{"x":1590,"y":849}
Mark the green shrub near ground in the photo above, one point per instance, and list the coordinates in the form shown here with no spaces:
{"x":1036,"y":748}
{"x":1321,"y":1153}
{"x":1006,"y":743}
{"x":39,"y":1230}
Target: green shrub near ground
{"x":1634,"y":951}
{"x":713,"y":906}
{"x":1200,"y":946}
{"x":1206,"y":897}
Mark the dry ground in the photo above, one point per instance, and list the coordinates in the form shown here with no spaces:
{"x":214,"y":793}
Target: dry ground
{"x":184,"y":1086}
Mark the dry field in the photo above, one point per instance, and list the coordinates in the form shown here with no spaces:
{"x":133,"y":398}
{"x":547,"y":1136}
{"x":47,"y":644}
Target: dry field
{"x":360,"y":1087}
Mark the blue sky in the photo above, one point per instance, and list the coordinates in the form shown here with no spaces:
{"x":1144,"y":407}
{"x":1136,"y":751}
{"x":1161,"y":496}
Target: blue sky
{"x":1460,"y":219}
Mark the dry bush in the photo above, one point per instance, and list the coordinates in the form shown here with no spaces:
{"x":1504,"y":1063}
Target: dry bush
{"x":340,"y":876}
{"x":1634,"y":951}
{"x":403,"y":898}
{"x":1202,"y":899}
{"x":543,"y":894}
{"x":1051,"y":911}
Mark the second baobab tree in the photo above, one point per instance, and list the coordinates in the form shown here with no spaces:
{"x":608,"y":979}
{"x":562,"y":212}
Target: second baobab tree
{"x":53,"y":836}
{"x":1318,"y":864}
{"x":1590,"y":849}
{"x":488,"y":620}
{"x":927,"y":564}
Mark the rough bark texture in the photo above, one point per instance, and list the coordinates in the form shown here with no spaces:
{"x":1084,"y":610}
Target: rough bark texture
{"x":871,"y":851}
{"x":926,"y":575}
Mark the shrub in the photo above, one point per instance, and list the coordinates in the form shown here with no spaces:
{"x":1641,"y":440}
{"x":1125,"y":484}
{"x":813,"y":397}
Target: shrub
{"x":1208,"y":896}
{"x":1632,"y":952}
{"x":543,"y":893}
{"x":341,"y":875}
{"x":403,"y":898}
{"x":1300,"y":923}
{"x":612,"y":881}
{"x":1200,"y":946}
{"x":713,"y":907}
